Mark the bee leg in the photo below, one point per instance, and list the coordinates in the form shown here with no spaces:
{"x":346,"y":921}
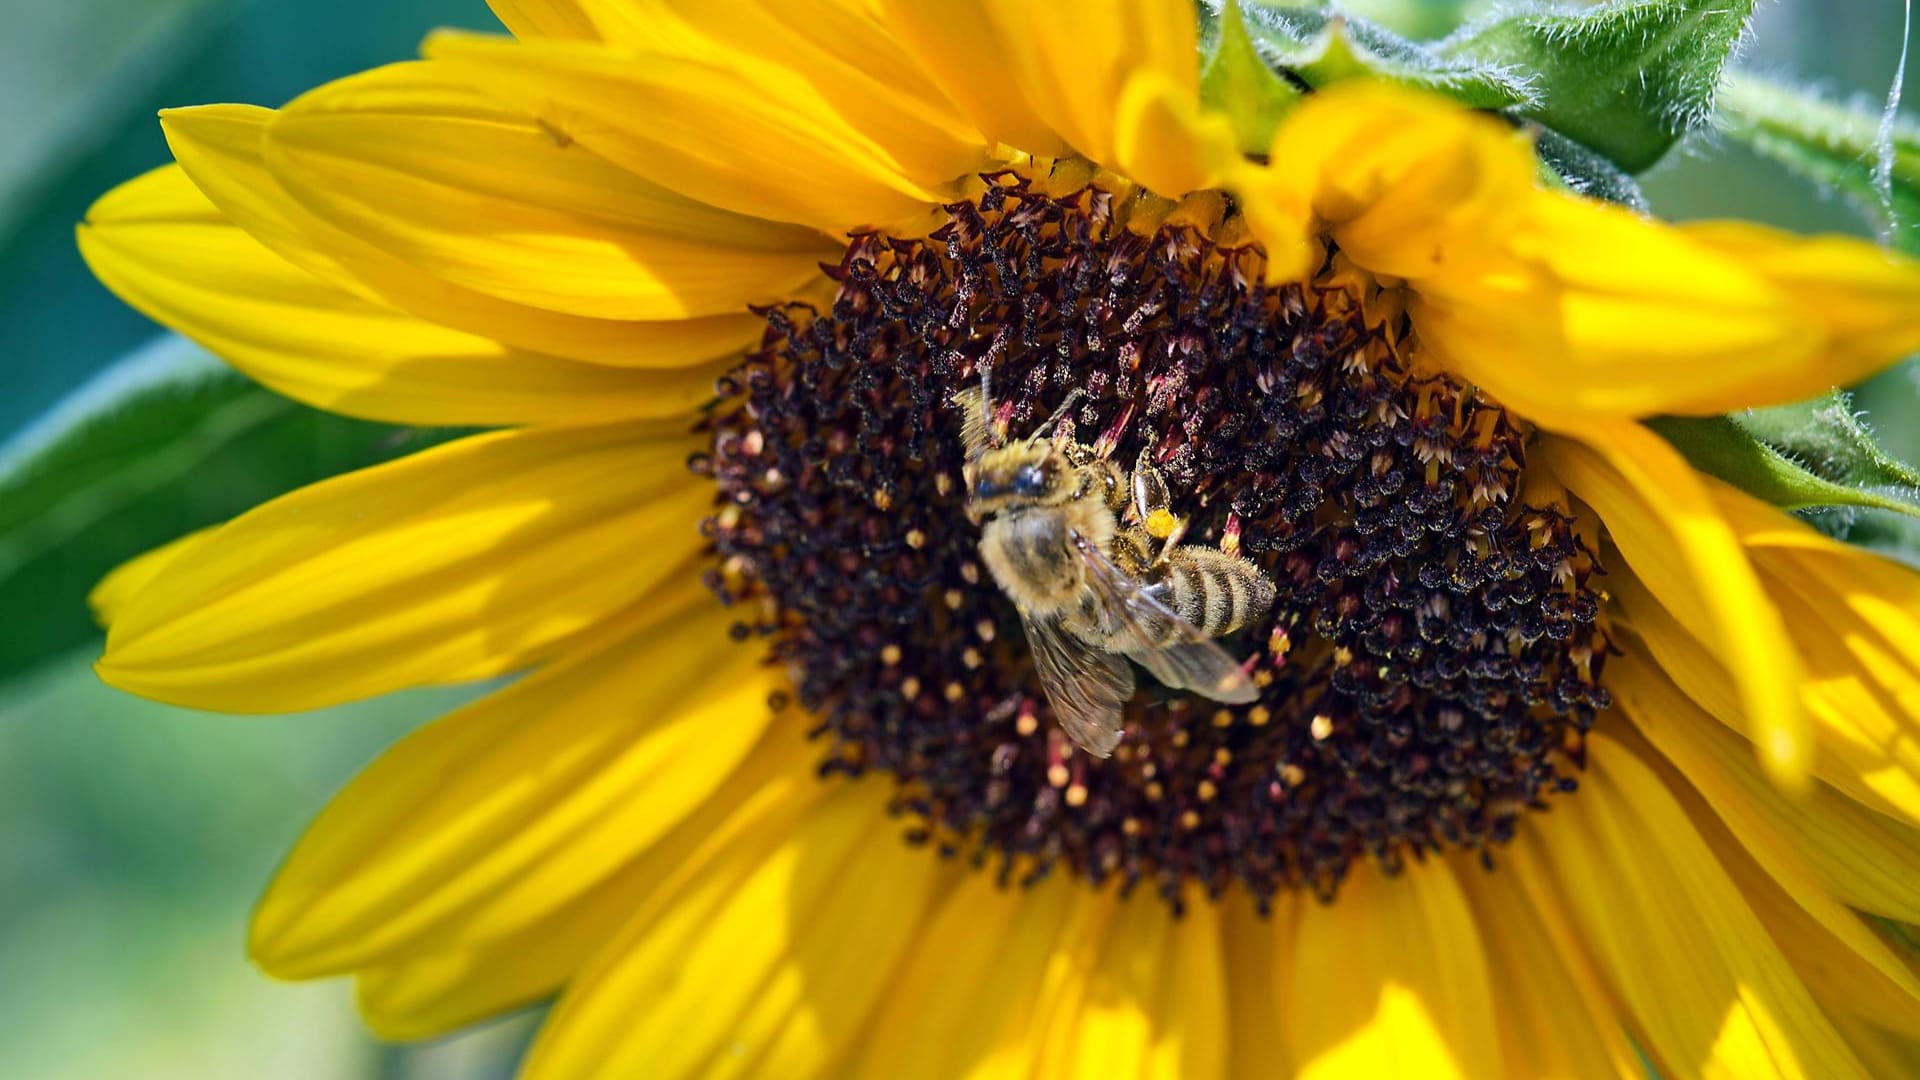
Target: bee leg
{"x":1153,"y":503}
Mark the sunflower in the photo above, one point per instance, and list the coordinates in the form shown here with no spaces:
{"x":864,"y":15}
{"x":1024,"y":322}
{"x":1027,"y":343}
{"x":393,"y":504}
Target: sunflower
{"x":1562,"y":757}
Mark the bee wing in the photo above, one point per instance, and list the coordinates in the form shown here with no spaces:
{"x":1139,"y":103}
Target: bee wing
{"x":1146,"y":629}
{"x":1085,"y":685}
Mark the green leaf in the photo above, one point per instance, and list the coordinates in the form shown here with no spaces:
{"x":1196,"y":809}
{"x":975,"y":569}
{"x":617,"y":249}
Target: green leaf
{"x":1833,"y":145}
{"x":1319,"y":48}
{"x":1829,"y":436}
{"x":1587,"y":172}
{"x":166,"y":441}
{"x":1626,"y":78}
{"x":1234,"y":79}
{"x":1725,"y":448}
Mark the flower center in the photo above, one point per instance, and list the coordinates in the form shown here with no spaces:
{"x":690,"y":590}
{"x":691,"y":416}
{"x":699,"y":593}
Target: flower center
{"x":1426,"y":671}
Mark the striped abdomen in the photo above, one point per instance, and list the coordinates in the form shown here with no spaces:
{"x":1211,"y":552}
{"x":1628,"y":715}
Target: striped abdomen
{"x":1218,"y":593}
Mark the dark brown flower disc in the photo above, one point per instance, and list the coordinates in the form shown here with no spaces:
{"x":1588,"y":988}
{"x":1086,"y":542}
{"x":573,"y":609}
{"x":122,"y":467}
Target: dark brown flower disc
{"x":1432,"y":660}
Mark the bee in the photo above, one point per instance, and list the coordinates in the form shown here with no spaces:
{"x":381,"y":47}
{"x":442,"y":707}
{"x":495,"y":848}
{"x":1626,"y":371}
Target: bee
{"x":1093,"y":590}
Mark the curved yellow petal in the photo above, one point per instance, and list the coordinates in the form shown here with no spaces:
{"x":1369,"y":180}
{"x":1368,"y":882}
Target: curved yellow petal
{"x":1258,"y":947}
{"x":162,"y":247}
{"x":1818,"y":843}
{"x":1557,"y":1019}
{"x":565,"y":19}
{"x":955,"y":43}
{"x":449,"y":976}
{"x":460,"y":562}
{"x":974,"y":970}
{"x":1845,"y":756}
{"x":1563,"y":307}
{"x":1391,"y":980}
{"x":770,"y":973}
{"x":1072,"y":61}
{"x":508,"y":808}
{"x":1704,"y":981}
{"x":1665,"y":521}
{"x":114,"y":592}
{"x":444,"y":179}
{"x":769,"y":147}
{"x":220,"y":147}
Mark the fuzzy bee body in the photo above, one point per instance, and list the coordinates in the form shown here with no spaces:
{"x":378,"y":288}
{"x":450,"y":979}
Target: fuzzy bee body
{"x":1091,"y":594}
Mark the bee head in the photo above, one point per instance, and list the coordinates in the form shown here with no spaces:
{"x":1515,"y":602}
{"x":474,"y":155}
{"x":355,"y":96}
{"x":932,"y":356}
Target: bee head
{"x":1020,"y":474}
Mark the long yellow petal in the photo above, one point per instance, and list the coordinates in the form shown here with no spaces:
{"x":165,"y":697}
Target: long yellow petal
{"x":220,"y":147}
{"x":509,"y":807}
{"x":955,"y":43}
{"x":1257,"y":948}
{"x":1845,"y":756}
{"x":444,"y":179}
{"x":708,"y":131}
{"x":1821,"y":842}
{"x":461,"y":562}
{"x":115,"y":591}
{"x":1663,"y":518}
{"x":161,"y":246}
{"x":768,"y":974}
{"x":1557,"y":1019}
{"x":975,"y":969}
{"x":564,"y":19}
{"x":461,"y":979}
{"x":1391,"y":980}
{"x":1072,"y":60}
{"x":1566,"y":308}
{"x":1705,"y":982}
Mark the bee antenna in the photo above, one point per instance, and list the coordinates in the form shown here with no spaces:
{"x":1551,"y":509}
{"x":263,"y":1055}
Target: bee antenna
{"x":1073,"y":395}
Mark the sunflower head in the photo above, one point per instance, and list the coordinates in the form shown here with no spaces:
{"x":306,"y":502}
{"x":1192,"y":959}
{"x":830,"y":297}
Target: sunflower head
{"x":748,"y":306}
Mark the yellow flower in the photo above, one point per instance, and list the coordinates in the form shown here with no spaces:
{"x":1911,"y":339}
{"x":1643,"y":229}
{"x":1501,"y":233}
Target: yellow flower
{"x":1381,"y":362}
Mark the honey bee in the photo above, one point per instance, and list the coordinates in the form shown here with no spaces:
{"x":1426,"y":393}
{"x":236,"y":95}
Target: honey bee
{"x":1093,"y":591}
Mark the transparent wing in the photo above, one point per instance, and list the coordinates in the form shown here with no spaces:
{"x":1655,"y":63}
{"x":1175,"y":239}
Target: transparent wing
{"x":1155,"y":635}
{"x":1086,"y":687}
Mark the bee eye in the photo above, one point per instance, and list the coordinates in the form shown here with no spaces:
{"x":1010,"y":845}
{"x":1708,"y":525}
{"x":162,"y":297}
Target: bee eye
{"x":1030,"y":480}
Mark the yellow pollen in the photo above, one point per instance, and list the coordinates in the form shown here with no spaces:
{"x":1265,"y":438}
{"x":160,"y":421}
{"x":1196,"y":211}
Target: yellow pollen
{"x":1206,"y":789}
{"x":1322,"y":727}
{"x":1161,"y":523}
{"x":1057,"y":775}
{"x":1077,"y":795}
{"x":890,"y":655}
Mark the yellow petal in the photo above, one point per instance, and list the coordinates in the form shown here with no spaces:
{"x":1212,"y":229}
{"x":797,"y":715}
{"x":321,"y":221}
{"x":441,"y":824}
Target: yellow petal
{"x":566,"y":19}
{"x":1072,"y":60}
{"x":1163,"y":140}
{"x":461,"y":562}
{"x":971,"y":974}
{"x":110,"y":597}
{"x":1562,"y":307}
{"x":1665,"y":522}
{"x":1151,"y":1004}
{"x":1257,"y":948}
{"x":955,"y":43}
{"x":1391,"y":980}
{"x":1821,"y":843}
{"x":770,"y":148}
{"x":220,"y":148}
{"x":442,"y":178}
{"x":840,"y":50}
{"x":1862,"y":300}
{"x":1845,"y":756}
{"x":466,"y":971}
{"x":1556,"y":1016}
{"x":771,"y":974}
{"x":506,"y":809}
{"x":1710,"y":990}
{"x":161,"y":247}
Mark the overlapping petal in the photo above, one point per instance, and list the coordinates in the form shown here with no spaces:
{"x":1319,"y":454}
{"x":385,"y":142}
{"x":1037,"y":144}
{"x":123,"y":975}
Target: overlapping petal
{"x":445,"y":179}
{"x":163,"y":248}
{"x":1662,"y":517}
{"x":768,"y":146}
{"x":768,"y":965}
{"x":221,"y":148}
{"x":1562,"y":307}
{"x":461,"y":562}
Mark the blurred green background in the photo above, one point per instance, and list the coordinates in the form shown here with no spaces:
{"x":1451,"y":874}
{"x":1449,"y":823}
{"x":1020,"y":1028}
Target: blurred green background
{"x":133,"y":837}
